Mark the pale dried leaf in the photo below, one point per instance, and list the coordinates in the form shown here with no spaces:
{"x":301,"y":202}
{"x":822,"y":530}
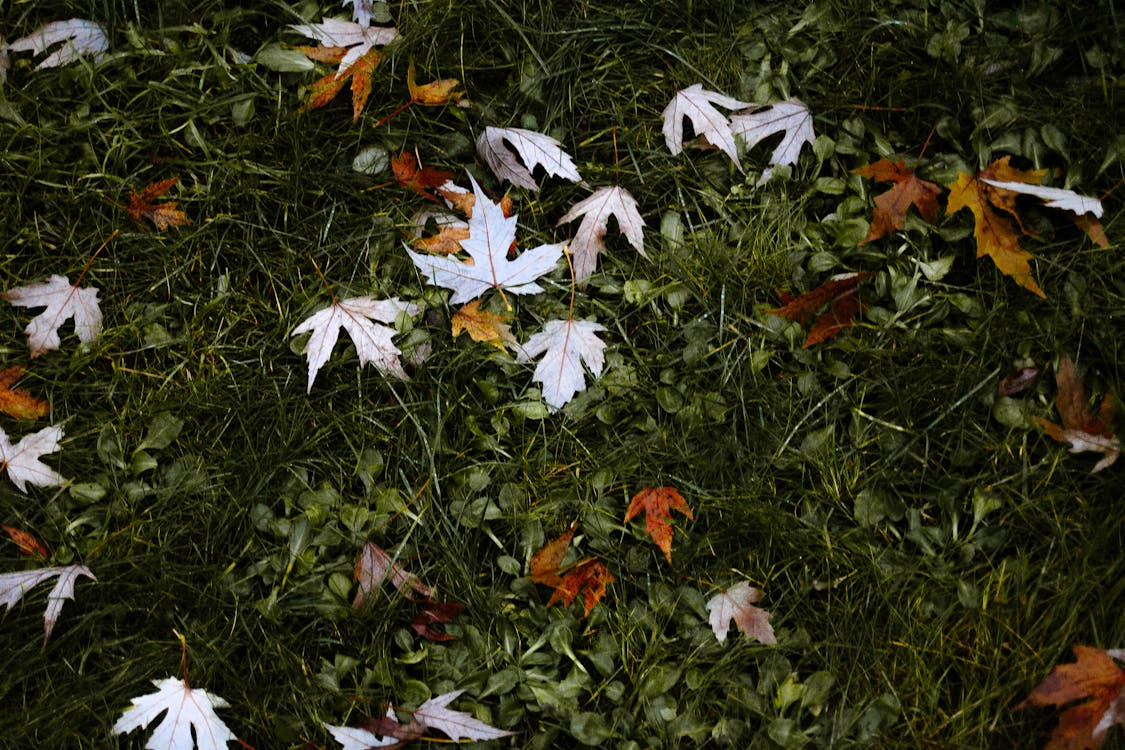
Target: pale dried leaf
{"x":566,"y":344}
{"x":1083,"y":442}
{"x":77,"y":36}
{"x":22,"y":459}
{"x":695,"y":103}
{"x":357,"y":38}
{"x":372,"y":341}
{"x":1067,"y":200}
{"x":435,"y":714}
{"x":532,"y":149}
{"x":187,"y":709}
{"x":62,"y":301}
{"x":790,"y":117}
{"x":374,"y":566}
{"x":491,"y":234}
{"x":357,"y":738}
{"x":14,"y":585}
{"x":595,"y":211}
{"x":737,"y":603}
{"x":361,"y":11}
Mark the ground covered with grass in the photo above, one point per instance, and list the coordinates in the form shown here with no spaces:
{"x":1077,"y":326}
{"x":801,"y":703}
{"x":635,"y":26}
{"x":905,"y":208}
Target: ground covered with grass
{"x":926,"y":552}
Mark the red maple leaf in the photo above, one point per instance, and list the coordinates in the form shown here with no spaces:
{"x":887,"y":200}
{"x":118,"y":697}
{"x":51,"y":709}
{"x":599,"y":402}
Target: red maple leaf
{"x":589,"y":573}
{"x":891,"y":206}
{"x":657,"y":504}
{"x":1097,"y":681}
{"x":162,"y":215}
{"x":839,"y":294}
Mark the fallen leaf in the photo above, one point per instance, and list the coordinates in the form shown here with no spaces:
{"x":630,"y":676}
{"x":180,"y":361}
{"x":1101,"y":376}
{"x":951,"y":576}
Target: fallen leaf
{"x":17,"y":402}
{"x":513,"y":154}
{"x":421,"y":180}
{"x":435,"y":613}
{"x":595,"y":211}
{"x":62,"y":301}
{"x":77,"y":36}
{"x":737,"y":603}
{"x":357,"y":39}
{"x":546,"y":562}
{"x":841,"y":296}
{"x":374,"y":566}
{"x":589,"y":573}
{"x":1098,"y":682}
{"x":188,"y":710}
{"x":698,"y":105}
{"x":891,"y":206}
{"x":483,"y":326}
{"x":1093,"y":229}
{"x":457,"y":725}
{"x":791,"y":118}
{"x":1081,"y":427}
{"x":372,"y":341}
{"x":361,"y":10}
{"x":1019,"y":381}
{"x":352,"y":46}
{"x":565,"y":345}
{"x":435,"y":93}
{"x":658,"y":504}
{"x":491,"y":235}
{"x":27,"y":543}
{"x":1066,"y":200}
{"x":162,"y":215}
{"x":14,"y":585}
{"x":22,"y":459}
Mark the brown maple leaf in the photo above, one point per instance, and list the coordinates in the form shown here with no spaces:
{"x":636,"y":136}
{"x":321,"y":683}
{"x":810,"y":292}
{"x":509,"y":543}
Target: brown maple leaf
{"x":435,"y":93}
{"x":840,"y":294}
{"x":421,"y":180}
{"x":162,"y":215}
{"x":545,"y":563}
{"x":589,"y":574}
{"x":891,"y":206}
{"x":1097,"y":681}
{"x":434,"y":613}
{"x":27,"y":543}
{"x":374,"y":566}
{"x":325,"y":89}
{"x":1081,"y":427}
{"x":658,"y":504}
{"x":17,"y":402}
{"x":483,"y":326}
{"x":994,"y":233}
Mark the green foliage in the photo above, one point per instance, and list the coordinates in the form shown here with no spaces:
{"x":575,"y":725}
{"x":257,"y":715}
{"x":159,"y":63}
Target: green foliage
{"x":926,"y":555}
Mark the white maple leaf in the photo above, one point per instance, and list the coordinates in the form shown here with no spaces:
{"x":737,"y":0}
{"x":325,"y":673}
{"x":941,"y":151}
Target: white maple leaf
{"x":1067,"y":200}
{"x":491,"y":234}
{"x":21,"y":460}
{"x":187,"y":709}
{"x":62,"y":301}
{"x":356,"y":738}
{"x":77,"y":36}
{"x":534,"y":150}
{"x":696,"y":104}
{"x":567,"y":343}
{"x":435,"y":714}
{"x":358,"y":38}
{"x":595,"y":211}
{"x":361,"y":11}
{"x":14,"y":585}
{"x":372,"y":341}
{"x":737,"y":603}
{"x":790,"y":117}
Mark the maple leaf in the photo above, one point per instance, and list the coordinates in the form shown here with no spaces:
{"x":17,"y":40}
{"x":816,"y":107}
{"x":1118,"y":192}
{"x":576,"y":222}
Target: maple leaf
{"x":595,"y":211}
{"x":22,"y":459}
{"x":374,"y":566}
{"x":1067,"y":200}
{"x":491,"y":234}
{"x":77,"y":36}
{"x":590,"y":573}
{"x":1097,"y":681}
{"x":357,"y":39}
{"x":372,"y":341}
{"x":482,"y":326}
{"x":352,"y":46}
{"x":27,"y":543}
{"x":436,"y":93}
{"x":434,"y":714}
{"x":62,"y":301}
{"x":994,"y":234}
{"x":790,"y":117}
{"x":17,"y":402}
{"x":737,"y":603}
{"x":14,"y":585}
{"x":361,"y":11}
{"x":891,"y":206}
{"x":163,"y":215}
{"x":839,"y":293}
{"x":657,"y":504}
{"x":697,"y":104}
{"x":187,"y":710}
{"x":421,"y":180}
{"x":565,"y":345}
{"x":1081,"y":427}
{"x":434,"y":613}
{"x":534,"y":149}
{"x":325,"y":89}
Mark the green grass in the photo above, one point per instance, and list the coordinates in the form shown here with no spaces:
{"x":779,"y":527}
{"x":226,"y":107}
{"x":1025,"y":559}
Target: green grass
{"x":926,"y":556}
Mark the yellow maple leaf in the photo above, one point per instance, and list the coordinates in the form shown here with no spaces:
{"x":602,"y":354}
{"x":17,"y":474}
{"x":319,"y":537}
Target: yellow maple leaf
{"x":435,"y":93}
{"x":482,"y":325}
{"x":16,"y":401}
{"x":324,"y":90}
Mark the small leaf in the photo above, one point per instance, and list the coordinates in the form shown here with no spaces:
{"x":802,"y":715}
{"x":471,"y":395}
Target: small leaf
{"x":892,"y":205}
{"x":657,"y":504}
{"x":483,"y":326}
{"x":62,"y":301}
{"x":737,"y":603}
{"x":1081,"y":427}
{"x":513,"y":154}
{"x":596,"y":211}
{"x":22,"y":459}
{"x":840,"y":294}
{"x":14,"y":585}
{"x":375,"y":565}
{"x":435,"y":93}
{"x":27,"y":543}
{"x":17,"y":402}
{"x":162,"y":215}
{"x":698,"y":105}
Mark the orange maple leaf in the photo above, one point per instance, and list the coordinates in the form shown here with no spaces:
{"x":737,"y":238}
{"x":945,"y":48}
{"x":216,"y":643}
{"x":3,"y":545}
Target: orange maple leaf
{"x":162,"y":215}
{"x":891,"y":207}
{"x":16,"y":401}
{"x":995,"y":235}
{"x":589,"y":573}
{"x":1084,"y":430}
{"x":324,"y":90}
{"x":421,"y":180}
{"x":435,"y":93}
{"x":482,"y":326}
{"x":657,"y":504}
{"x":28,"y":543}
{"x":1097,"y":681}
{"x":840,"y":294}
